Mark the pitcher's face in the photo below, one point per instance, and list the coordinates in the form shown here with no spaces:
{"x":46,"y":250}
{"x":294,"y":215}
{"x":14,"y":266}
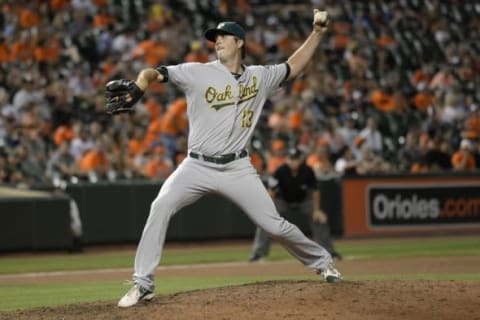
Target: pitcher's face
{"x":227,"y":46}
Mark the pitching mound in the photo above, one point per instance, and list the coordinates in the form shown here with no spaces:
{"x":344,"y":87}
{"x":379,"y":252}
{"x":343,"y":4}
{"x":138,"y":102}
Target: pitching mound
{"x":292,"y":300}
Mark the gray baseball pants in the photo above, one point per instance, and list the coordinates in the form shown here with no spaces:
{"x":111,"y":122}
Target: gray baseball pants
{"x":320,"y":231}
{"x":237,"y":181}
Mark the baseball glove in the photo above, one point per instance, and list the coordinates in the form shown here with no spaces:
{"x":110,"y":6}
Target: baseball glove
{"x":121,"y":96}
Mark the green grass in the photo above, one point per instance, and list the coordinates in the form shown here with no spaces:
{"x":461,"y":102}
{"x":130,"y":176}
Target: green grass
{"x":30,"y":296}
{"x":41,"y":263}
{"x":420,"y":247}
{"x":14,"y":297}
{"x":402,"y":247}
{"x":358,"y":249}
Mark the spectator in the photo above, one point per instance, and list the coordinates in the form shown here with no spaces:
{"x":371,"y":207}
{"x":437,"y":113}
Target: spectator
{"x":333,"y":136}
{"x":182,"y":149}
{"x":136,"y":144}
{"x":258,"y":162}
{"x":463,"y":159}
{"x":306,"y":139}
{"x":158,"y":167}
{"x":31,"y":168}
{"x":383,"y":100}
{"x":123,"y":43}
{"x":472,"y":124}
{"x":370,"y":163}
{"x":422,"y":77}
{"x":80,"y":84}
{"x":103,"y":18}
{"x":438,"y":156}
{"x":28,"y":94}
{"x":320,"y":161}
{"x":5,"y":171}
{"x":173,"y":124}
{"x":197,"y":53}
{"x":372,"y":136}
{"x":4,"y":51}
{"x":81,"y":143}
{"x":94,"y":164}
{"x":153,"y":52}
{"x":451,"y":111}
{"x":346,"y":164}
{"x":154,"y":131}
{"x":443,"y":80}
{"x":154,"y":108}
{"x":278,"y":120}
{"x":61,"y":164}
{"x":348,"y":131}
{"x":410,"y":152}
{"x":63,"y":133}
{"x":424,"y":99}
{"x":357,"y":64}
{"x":47,"y":48}
{"x":22,"y":49}
{"x":57,"y":55}
{"x":83,"y":5}
{"x":277,"y":155}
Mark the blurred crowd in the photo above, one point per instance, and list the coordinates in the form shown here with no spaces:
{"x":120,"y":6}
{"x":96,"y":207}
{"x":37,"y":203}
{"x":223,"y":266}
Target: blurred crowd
{"x":392,"y":89}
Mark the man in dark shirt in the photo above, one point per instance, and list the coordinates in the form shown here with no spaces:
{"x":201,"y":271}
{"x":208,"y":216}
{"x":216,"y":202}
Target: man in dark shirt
{"x":294,"y":187}
{"x":438,"y":156}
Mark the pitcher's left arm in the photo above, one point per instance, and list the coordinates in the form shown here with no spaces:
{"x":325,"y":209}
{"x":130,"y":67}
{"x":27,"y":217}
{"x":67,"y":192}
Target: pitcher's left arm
{"x":300,"y":58}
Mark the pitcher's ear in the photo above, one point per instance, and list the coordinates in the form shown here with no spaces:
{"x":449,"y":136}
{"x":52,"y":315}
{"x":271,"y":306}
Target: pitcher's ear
{"x":241,"y":41}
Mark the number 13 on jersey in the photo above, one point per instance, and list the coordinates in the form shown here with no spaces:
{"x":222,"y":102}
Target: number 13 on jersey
{"x":247,"y":116}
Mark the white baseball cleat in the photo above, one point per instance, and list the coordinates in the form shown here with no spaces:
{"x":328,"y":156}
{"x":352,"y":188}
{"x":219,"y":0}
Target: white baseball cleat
{"x":134,"y":295}
{"x":330,"y":274}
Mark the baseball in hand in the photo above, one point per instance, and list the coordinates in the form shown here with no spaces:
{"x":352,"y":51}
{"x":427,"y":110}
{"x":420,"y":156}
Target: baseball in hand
{"x":320,"y":18}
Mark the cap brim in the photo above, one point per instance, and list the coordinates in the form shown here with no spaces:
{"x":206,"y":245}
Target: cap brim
{"x":211,"y":34}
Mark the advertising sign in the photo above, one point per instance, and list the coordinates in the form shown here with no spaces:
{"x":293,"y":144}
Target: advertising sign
{"x":422,"y":205}
{"x":405,"y":205}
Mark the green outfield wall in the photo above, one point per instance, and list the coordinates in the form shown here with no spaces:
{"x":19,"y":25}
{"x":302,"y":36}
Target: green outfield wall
{"x":34,"y":223}
{"x":356,"y":206}
{"x":116,"y":213}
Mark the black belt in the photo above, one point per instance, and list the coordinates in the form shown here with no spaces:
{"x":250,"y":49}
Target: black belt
{"x":221,"y":159}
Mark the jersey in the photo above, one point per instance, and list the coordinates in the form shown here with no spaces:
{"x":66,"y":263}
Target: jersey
{"x":222,"y":110}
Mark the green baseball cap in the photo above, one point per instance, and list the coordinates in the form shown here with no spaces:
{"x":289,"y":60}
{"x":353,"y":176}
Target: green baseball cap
{"x":226,"y":27}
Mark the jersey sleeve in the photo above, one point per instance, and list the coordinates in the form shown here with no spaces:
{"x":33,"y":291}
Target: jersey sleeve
{"x":181,"y":74}
{"x":275,"y":75}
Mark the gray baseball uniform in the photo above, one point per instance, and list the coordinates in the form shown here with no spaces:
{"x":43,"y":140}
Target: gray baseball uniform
{"x":222,"y":112}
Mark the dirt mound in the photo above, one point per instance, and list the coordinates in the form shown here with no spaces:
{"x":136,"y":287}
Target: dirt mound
{"x":291,"y":300}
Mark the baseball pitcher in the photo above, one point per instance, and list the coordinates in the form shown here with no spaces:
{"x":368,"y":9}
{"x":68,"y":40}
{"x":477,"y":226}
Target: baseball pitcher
{"x":224,"y":99}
